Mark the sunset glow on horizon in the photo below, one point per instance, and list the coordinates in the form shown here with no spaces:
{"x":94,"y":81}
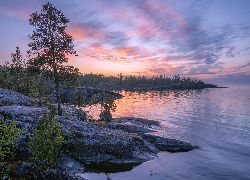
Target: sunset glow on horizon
{"x":208,"y":40}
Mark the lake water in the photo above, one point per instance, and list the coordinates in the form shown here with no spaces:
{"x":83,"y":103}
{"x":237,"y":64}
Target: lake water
{"x":217,"y":120}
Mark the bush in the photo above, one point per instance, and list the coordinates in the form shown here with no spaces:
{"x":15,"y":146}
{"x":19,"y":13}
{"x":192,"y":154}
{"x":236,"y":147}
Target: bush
{"x":10,"y":135}
{"x":47,"y":142}
{"x":107,"y":102}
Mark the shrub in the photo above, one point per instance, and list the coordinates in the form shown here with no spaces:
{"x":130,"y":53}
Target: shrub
{"x":107,"y":102}
{"x":47,"y":142}
{"x":107,"y":106}
{"x":10,"y":135}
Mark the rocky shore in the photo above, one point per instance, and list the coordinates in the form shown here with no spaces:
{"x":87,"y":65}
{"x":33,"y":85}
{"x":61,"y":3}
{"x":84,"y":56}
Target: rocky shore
{"x":123,"y":143}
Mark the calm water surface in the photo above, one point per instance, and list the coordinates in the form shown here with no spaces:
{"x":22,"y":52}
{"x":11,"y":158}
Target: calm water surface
{"x":217,"y":120}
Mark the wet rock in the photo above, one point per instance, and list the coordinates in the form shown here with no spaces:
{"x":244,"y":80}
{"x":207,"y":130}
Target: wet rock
{"x":108,"y":167}
{"x":70,"y":165}
{"x":137,"y":121}
{"x":135,"y":125}
{"x":170,"y":145}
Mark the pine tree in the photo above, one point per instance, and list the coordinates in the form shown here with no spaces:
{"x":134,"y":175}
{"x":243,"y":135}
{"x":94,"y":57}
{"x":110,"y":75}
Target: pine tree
{"x":51,"y":43}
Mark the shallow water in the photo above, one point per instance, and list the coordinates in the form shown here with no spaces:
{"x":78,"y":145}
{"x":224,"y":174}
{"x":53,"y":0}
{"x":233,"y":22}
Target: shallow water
{"x":217,"y":120}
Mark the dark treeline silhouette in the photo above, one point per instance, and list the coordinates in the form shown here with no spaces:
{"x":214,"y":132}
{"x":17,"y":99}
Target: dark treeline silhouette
{"x":142,"y":82}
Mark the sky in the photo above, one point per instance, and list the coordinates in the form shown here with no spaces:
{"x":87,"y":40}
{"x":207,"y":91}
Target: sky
{"x":203,"y":39}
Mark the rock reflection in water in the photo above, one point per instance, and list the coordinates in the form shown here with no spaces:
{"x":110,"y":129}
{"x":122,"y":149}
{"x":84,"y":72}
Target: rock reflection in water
{"x":108,"y":167}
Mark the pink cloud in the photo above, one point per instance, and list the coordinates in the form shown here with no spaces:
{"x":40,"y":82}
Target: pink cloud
{"x":146,"y":26}
{"x":120,"y":54}
{"x":85,"y":34}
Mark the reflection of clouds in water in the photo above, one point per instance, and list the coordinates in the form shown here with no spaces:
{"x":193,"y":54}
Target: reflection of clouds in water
{"x":148,"y":104}
{"x":215,"y":119}
{"x":185,"y":111}
{"x":151,"y":104}
{"x":164,"y":106}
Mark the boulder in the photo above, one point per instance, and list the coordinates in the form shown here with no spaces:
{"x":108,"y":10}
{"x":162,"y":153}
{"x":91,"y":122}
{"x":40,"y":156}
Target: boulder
{"x":93,"y":144}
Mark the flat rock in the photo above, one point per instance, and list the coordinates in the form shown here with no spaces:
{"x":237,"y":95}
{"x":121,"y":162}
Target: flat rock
{"x":170,"y":145}
{"x":8,"y":97}
{"x":135,"y":125}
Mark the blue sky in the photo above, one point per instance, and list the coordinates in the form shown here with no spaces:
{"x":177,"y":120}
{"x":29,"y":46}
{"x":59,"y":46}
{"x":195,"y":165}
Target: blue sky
{"x":209,"y":40}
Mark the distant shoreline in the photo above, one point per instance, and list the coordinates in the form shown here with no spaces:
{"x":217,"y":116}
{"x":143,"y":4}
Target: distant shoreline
{"x":174,"y":86}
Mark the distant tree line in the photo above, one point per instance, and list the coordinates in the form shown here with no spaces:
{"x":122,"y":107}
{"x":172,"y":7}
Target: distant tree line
{"x":140,"y":81}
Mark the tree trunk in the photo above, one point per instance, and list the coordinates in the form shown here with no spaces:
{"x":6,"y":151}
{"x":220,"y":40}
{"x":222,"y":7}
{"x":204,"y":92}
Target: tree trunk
{"x":58,"y":96}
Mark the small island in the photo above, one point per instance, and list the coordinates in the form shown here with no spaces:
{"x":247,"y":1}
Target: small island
{"x":138,"y":83}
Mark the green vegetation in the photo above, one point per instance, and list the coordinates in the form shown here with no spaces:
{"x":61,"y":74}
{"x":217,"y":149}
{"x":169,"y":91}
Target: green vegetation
{"x":10,"y":136}
{"x":38,"y":77}
{"x":107,"y":102}
{"x":16,"y":76}
{"x":46,"y":142}
{"x":107,"y":105}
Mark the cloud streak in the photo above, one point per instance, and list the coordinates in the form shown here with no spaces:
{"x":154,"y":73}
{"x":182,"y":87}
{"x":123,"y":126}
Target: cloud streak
{"x":159,"y":36}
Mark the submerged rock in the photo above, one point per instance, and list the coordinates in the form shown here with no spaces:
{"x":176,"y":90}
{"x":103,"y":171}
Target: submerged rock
{"x":134,"y":125}
{"x":170,"y":145}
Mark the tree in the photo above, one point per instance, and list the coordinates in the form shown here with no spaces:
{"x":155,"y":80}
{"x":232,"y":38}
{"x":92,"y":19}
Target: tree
{"x":15,"y":76}
{"x":17,"y":69}
{"x":51,"y":43}
{"x":47,"y":141}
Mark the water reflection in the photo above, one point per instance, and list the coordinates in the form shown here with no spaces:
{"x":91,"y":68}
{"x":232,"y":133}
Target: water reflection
{"x":108,"y":167}
{"x":218,"y":120}
{"x":149,"y":104}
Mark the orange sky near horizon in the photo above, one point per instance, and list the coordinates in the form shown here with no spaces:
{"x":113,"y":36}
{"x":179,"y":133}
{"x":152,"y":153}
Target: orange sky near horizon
{"x":148,"y":37}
